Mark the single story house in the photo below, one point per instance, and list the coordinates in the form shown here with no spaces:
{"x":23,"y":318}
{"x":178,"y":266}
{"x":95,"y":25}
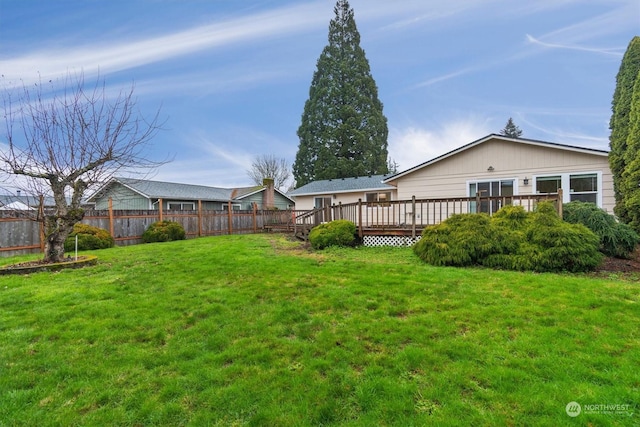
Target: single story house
{"x":497,"y":165}
{"x":319,"y":194}
{"x":140,"y":194}
{"x":494,"y":165}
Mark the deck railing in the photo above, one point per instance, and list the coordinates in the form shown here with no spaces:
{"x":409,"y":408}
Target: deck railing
{"x":411,"y":216}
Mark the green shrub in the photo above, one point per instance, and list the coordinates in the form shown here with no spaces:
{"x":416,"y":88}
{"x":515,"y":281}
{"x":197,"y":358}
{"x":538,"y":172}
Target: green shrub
{"x":89,"y":238}
{"x":556,"y":245}
{"x":513,"y":217}
{"x":512,"y":239}
{"x":461,"y":240}
{"x":335,"y":233}
{"x":616,"y":239}
{"x":163,"y":231}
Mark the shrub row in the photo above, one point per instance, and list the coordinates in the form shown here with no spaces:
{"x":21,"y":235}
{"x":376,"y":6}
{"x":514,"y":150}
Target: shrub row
{"x":91,"y":238}
{"x":512,"y":239}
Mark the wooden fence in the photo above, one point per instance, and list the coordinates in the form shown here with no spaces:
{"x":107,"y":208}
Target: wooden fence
{"x":21,"y":233}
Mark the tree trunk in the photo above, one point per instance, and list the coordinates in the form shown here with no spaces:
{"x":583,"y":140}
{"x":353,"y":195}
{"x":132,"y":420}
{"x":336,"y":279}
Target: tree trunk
{"x":54,"y":247}
{"x":58,"y":229}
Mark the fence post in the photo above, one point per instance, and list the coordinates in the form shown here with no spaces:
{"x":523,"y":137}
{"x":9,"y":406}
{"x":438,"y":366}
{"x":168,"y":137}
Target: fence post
{"x":360,"y":230}
{"x":413,"y":217}
{"x":230,"y":217}
{"x":560,"y":199}
{"x":255,"y":219}
{"x":199,"y":218}
{"x":42,"y":222}
{"x":111,"y":218}
{"x":160,"y":208}
{"x":340,"y":210}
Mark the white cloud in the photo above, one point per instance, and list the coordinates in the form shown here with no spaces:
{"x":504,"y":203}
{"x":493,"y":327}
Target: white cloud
{"x":413,"y":145}
{"x":604,"y":51}
{"x":126,"y":54}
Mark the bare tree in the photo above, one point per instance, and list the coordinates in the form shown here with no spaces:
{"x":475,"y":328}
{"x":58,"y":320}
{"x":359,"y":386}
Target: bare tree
{"x":269,"y":166}
{"x":66,"y":135}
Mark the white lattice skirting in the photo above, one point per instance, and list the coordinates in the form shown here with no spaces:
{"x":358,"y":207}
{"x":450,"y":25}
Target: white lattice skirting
{"x":389,"y":240}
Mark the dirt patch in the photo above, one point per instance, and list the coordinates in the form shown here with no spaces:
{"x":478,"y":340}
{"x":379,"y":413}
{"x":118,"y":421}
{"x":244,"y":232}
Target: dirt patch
{"x":620,"y":268}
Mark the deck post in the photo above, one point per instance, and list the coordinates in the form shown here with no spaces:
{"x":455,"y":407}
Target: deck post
{"x":413,"y":217}
{"x":559,"y":202}
{"x":160,"y":209}
{"x":360,"y":230}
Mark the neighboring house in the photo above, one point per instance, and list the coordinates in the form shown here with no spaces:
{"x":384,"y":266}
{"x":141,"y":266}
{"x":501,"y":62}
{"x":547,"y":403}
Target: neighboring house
{"x":497,"y":165}
{"x":11,"y":201}
{"x":140,"y":194}
{"x":16,"y":206}
{"x":319,"y":194}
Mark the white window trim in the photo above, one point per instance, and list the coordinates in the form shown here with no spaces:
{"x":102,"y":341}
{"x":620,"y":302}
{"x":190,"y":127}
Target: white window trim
{"x":234,"y":206}
{"x":565,"y":184}
{"x":323,"y":197}
{"x":377,"y":193}
{"x":182,"y":205}
{"x":516,"y":189}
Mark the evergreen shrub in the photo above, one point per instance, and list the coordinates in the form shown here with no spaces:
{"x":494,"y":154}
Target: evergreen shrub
{"x":335,"y":233}
{"x":616,"y":239}
{"x":163,"y":231}
{"x":89,"y":238}
{"x":512,"y":239}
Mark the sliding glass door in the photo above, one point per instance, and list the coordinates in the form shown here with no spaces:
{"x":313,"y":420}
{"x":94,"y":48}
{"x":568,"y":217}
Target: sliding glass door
{"x":485,"y":189}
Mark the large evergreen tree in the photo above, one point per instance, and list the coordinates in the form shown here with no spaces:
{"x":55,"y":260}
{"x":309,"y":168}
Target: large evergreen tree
{"x":511,"y":129}
{"x":619,"y":123}
{"x":343,"y":131}
{"x":629,"y":186}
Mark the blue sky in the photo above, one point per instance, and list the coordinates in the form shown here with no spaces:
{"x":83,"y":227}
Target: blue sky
{"x":232,"y":76}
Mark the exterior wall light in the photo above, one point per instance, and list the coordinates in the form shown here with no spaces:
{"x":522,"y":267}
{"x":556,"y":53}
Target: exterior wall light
{"x":490,"y":169}
{"x":526,"y":181}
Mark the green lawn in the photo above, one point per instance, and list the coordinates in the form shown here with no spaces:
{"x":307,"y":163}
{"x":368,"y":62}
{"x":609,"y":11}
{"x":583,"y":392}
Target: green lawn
{"x":254,"y":330}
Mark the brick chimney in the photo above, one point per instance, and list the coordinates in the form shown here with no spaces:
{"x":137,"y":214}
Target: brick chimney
{"x":268,"y":195}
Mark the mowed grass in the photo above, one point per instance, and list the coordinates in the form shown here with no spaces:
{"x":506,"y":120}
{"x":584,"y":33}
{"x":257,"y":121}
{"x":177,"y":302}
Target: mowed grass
{"x":255,"y":330}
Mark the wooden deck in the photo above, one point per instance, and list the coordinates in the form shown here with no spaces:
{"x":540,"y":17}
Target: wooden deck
{"x":408,"y":217}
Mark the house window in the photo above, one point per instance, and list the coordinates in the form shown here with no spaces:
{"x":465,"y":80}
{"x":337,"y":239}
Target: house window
{"x":181,"y":206}
{"x":322,"y":202}
{"x":234,"y":207}
{"x":582,"y":186}
{"x":383,"y":197}
{"x":548,"y":184}
{"x":484,"y":189}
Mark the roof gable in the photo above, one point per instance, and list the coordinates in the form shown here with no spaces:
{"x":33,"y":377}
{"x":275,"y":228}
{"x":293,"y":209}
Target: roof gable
{"x":493,"y":137}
